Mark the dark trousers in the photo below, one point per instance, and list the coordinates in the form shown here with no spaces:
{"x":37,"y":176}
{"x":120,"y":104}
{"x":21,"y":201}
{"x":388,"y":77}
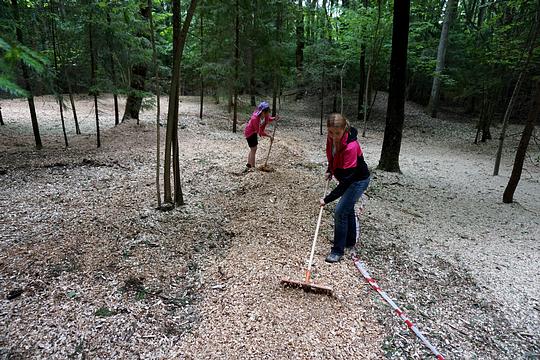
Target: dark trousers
{"x":345,"y":218}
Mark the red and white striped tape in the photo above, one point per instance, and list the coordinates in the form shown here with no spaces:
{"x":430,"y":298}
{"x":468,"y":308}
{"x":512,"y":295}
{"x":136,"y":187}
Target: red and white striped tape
{"x":361,"y":266}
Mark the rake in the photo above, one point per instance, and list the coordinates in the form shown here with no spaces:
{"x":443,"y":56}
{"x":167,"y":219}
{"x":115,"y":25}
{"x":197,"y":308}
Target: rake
{"x":307,"y":285}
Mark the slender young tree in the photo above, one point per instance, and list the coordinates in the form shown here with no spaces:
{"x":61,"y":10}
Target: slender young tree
{"x":276,"y":73}
{"x":138,"y":78}
{"x":113,"y":71}
{"x":532,"y":118}
{"x":93,"y":65}
{"x":64,"y":49}
{"x":58,"y":89}
{"x":531,"y":46}
{"x":299,"y":51}
{"x":323,"y":84}
{"x":171,"y":137}
{"x":441,"y":56}
{"x":362,"y":78}
{"x":236,"y":62}
{"x":252,"y":53}
{"x":26,"y":77}
{"x":158,"y":100}
{"x":201,"y":33}
{"x":395,"y":111}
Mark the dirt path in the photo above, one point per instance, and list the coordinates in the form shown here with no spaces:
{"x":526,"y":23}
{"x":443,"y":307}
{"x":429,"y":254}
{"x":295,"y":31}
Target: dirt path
{"x":102,"y":274}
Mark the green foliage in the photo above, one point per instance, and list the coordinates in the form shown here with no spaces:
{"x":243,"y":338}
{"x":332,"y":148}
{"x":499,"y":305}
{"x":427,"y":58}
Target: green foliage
{"x":12,"y":54}
{"x":485,"y":51}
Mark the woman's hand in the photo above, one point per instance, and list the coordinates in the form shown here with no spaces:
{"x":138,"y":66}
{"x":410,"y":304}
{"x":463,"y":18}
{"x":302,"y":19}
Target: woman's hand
{"x":328,"y":176}
{"x":321,"y":202}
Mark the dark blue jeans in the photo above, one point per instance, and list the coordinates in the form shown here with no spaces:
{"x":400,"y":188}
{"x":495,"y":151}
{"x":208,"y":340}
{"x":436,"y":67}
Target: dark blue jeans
{"x":345,"y":219}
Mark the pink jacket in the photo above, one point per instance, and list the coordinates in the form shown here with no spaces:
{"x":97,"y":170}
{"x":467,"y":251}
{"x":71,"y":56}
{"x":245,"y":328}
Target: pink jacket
{"x":256,"y":125}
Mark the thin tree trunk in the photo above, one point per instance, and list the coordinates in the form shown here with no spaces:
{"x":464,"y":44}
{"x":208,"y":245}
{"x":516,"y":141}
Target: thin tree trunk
{"x":366,"y":101}
{"x":138,"y":82}
{"x":58,"y":90}
{"x":396,"y":98}
{"x":26,"y":77}
{"x":236,"y":63}
{"x":277,"y":67}
{"x":158,"y":95}
{"x":74,"y":110}
{"x":441,"y":55}
{"x":252,"y":54}
{"x":481,"y":13}
{"x":508,"y":195}
{"x":113,"y":73}
{"x":171,"y":138}
{"x":93,"y":77}
{"x":201,"y":72}
{"x":372,"y":65}
{"x":508,"y":112}
{"x":1,"y":118}
{"x":362,"y":82}
{"x":67,"y":74}
{"x":299,"y":52}
{"x":322,"y":99}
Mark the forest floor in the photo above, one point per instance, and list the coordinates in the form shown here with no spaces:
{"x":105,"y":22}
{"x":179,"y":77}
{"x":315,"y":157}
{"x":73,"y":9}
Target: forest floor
{"x":90,"y":270}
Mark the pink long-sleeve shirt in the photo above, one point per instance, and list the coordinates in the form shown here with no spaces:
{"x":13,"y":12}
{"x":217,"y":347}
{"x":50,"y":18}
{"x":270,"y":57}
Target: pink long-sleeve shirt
{"x":257,"y":125}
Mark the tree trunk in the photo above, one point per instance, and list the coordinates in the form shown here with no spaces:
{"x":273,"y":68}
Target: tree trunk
{"x":58,"y":89}
{"x":1,"y":118}
{"x":67,"y":74}
{"x":362,"y":80}
{"x":93,"y":90}
{"x":481,"y":13}
{"x":158,"y":95}
{"x":441,"y":55}
{"x":171,"y":137}
{"x":396,"y":98}
{"x":113,"y":73}
{"x":508,"y":195}
{"x":252,"y":54}
{"x":372,"y":65}
{"x":300,"y":52}
{"x":277,"y":67}
{"x":201,"y":72}
{"x":26,"y":77}
{"x":72,"y":101}
{"x":531,"y":46}
{"x":137,"y":85}
{"x":322,"y":98}
{"x":236,"y":63}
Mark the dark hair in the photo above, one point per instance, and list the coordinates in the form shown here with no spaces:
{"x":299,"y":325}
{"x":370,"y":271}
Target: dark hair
{"x":337,"y":120}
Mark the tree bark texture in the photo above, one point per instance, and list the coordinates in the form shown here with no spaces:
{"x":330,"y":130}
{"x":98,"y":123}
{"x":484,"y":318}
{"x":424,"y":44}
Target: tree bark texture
{"x":532,"y":118}
{"x":93,"y":66}
{"x":236,"y":63}
{"x":396,"y":98}
{"x":138,"y":81}
{"x":26,"y":77}
{"x":171,"y":137}
{"x":506,"y":119}
{"x":300,"y":52}
{"x":441,"y":56}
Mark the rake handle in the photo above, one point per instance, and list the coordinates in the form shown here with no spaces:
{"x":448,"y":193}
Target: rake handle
{"x":308,"y":271}
{"x":271,"y":142}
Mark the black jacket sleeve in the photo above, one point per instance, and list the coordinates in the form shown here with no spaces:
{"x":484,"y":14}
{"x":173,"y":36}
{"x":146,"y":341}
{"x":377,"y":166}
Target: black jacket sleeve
{"x":346,"y":180}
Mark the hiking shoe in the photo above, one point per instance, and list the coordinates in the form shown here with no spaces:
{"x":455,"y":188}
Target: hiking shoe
{"x":333,"y":258}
